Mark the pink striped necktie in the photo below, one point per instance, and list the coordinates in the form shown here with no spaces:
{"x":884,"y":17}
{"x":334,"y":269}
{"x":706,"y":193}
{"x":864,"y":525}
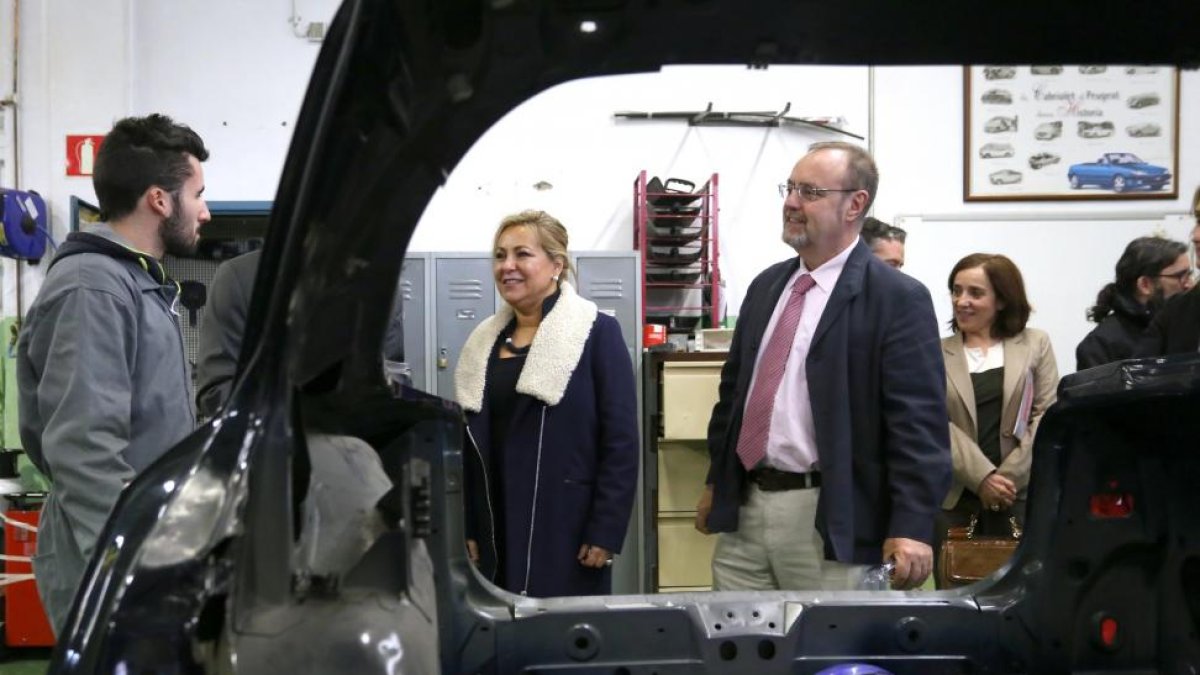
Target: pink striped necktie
{"x":756,"y":421}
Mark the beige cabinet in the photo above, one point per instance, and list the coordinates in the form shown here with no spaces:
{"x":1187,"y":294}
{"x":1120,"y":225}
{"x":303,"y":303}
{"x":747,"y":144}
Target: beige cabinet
{"x":684,"y":555}
{"x":681,"y":390}
{"x":689,"y":394}
{"x":682,"y":468}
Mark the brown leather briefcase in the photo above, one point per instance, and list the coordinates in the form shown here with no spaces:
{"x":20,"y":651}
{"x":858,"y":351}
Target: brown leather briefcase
{"x":967,"y":558}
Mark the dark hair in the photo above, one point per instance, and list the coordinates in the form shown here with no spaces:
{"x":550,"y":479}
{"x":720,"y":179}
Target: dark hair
{"x":141,"y":152}
{"x":861,"y":172}
{"x":1009,"y":287}
{"x":1144,"y":256}
{"x":874,"y":230}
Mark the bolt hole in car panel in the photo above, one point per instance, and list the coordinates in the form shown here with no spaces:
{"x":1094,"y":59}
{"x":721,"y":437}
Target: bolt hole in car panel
{"x":286,"y":571}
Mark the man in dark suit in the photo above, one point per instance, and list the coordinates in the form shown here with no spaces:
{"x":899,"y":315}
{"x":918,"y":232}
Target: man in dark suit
{"x":829,"y":444}
{"x":221,"y":330}
{"x":224,"y":322}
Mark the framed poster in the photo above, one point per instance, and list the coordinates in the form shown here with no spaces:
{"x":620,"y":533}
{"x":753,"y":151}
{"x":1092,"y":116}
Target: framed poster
{"x":1070,"y":132}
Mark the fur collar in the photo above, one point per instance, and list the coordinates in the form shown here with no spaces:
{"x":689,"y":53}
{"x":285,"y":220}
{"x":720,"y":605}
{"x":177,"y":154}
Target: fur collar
{"x":552,"y":359}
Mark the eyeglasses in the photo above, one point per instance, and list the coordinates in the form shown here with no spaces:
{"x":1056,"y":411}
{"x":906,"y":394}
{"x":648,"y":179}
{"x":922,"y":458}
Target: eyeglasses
{"x":1180,"y":277}
{"x":809,"y":193}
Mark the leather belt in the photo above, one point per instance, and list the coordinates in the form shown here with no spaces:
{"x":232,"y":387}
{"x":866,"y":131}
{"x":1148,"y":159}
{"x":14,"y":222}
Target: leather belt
{"x":773,"y":480}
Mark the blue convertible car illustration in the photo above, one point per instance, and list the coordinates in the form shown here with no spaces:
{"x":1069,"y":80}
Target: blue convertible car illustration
{"x":1119,"y":171}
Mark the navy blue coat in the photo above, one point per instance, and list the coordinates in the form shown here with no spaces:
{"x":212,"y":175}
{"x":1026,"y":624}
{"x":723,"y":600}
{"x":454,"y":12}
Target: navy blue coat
{"x":878,"y":387}
{"x":571,"y":452}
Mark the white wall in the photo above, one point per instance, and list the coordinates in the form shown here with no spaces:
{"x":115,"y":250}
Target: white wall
{"x":7,"y":52}
{"x":232,"y":69}
{"x":67,"y":85}
{"x":568,"y":137}
{"x":235,"y":70}
{"x":1066,"y":250}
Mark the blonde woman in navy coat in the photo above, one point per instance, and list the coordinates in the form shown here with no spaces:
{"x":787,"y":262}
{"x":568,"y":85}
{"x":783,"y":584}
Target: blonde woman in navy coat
{"x":548,"y":389}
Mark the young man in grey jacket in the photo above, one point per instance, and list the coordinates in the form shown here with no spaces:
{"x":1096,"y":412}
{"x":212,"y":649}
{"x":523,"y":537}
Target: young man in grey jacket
{"x":101,"y":369}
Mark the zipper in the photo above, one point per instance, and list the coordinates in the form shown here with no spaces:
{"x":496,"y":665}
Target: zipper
{"x":175,"y":320}
{"x":537,"y":474}
{"x":487,"y":494}
{"x":187,"y":367}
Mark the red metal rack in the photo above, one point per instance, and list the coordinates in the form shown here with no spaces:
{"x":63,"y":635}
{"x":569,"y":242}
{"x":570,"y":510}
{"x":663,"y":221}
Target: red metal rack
{"x":678,"y":235}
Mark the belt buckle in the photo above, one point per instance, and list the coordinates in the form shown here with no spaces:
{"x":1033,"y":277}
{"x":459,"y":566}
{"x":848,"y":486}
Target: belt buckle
{"x":759,"y":478}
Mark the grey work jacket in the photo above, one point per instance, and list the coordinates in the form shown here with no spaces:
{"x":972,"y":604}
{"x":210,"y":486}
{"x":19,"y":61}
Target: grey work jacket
{"x":104,"y":392}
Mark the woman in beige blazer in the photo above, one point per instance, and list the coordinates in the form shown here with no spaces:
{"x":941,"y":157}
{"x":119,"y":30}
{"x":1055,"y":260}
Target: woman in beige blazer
{"x":1000,"y":378}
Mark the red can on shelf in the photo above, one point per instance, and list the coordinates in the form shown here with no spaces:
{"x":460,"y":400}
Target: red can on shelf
{"x":653,"y":334}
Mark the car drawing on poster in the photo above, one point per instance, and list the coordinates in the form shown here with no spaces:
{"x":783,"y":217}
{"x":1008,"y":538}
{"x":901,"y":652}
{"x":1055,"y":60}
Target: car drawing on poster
{"x":996,"y":150}
{"x":1048,"y":131}
{"x":1005,"y":177}
{"x":1092,"y":70}
{"x":1041,"y":159}
{"x":1143,"y":100}
{"x":999,"y":96}
{"x":999,"y":72}
{"x":1045,"y":70}
{"x":1119,"y":172}
{"x":1141,"y":70}
{"x":1144,"y":130}
{"x":1000,"y":124}
{"x":1096,"y":129}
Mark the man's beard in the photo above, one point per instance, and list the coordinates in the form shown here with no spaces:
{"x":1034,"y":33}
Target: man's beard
{"x":177,"y":238}
{"x":795,"y":239}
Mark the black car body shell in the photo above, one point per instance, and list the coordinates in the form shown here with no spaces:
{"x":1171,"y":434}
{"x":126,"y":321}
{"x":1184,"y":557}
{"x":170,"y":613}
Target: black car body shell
{"x":200,"y":567}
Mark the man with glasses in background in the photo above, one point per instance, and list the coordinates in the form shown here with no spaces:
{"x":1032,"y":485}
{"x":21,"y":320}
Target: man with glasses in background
{"x":829,"y":445}
{"x":1148,"y":273}
{"x":1176,"y":327}
{"x":885,"y":241}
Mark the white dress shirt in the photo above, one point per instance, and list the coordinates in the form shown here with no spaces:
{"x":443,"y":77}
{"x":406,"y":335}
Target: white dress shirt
{"x":792,"y":441}
{"x":979,"y":361}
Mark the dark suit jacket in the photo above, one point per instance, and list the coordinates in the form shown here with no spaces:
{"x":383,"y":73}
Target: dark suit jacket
{"x":221,"y":328}
{"x":878,"y":387}
{"x":224,"y":323}
{"x":1175,"y":329}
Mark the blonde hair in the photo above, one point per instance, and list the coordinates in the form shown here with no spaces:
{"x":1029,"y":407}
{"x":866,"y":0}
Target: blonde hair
{"x":550,"y":233}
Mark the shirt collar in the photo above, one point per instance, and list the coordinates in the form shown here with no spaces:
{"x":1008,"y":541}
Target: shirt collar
{"x":826,"y":275}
